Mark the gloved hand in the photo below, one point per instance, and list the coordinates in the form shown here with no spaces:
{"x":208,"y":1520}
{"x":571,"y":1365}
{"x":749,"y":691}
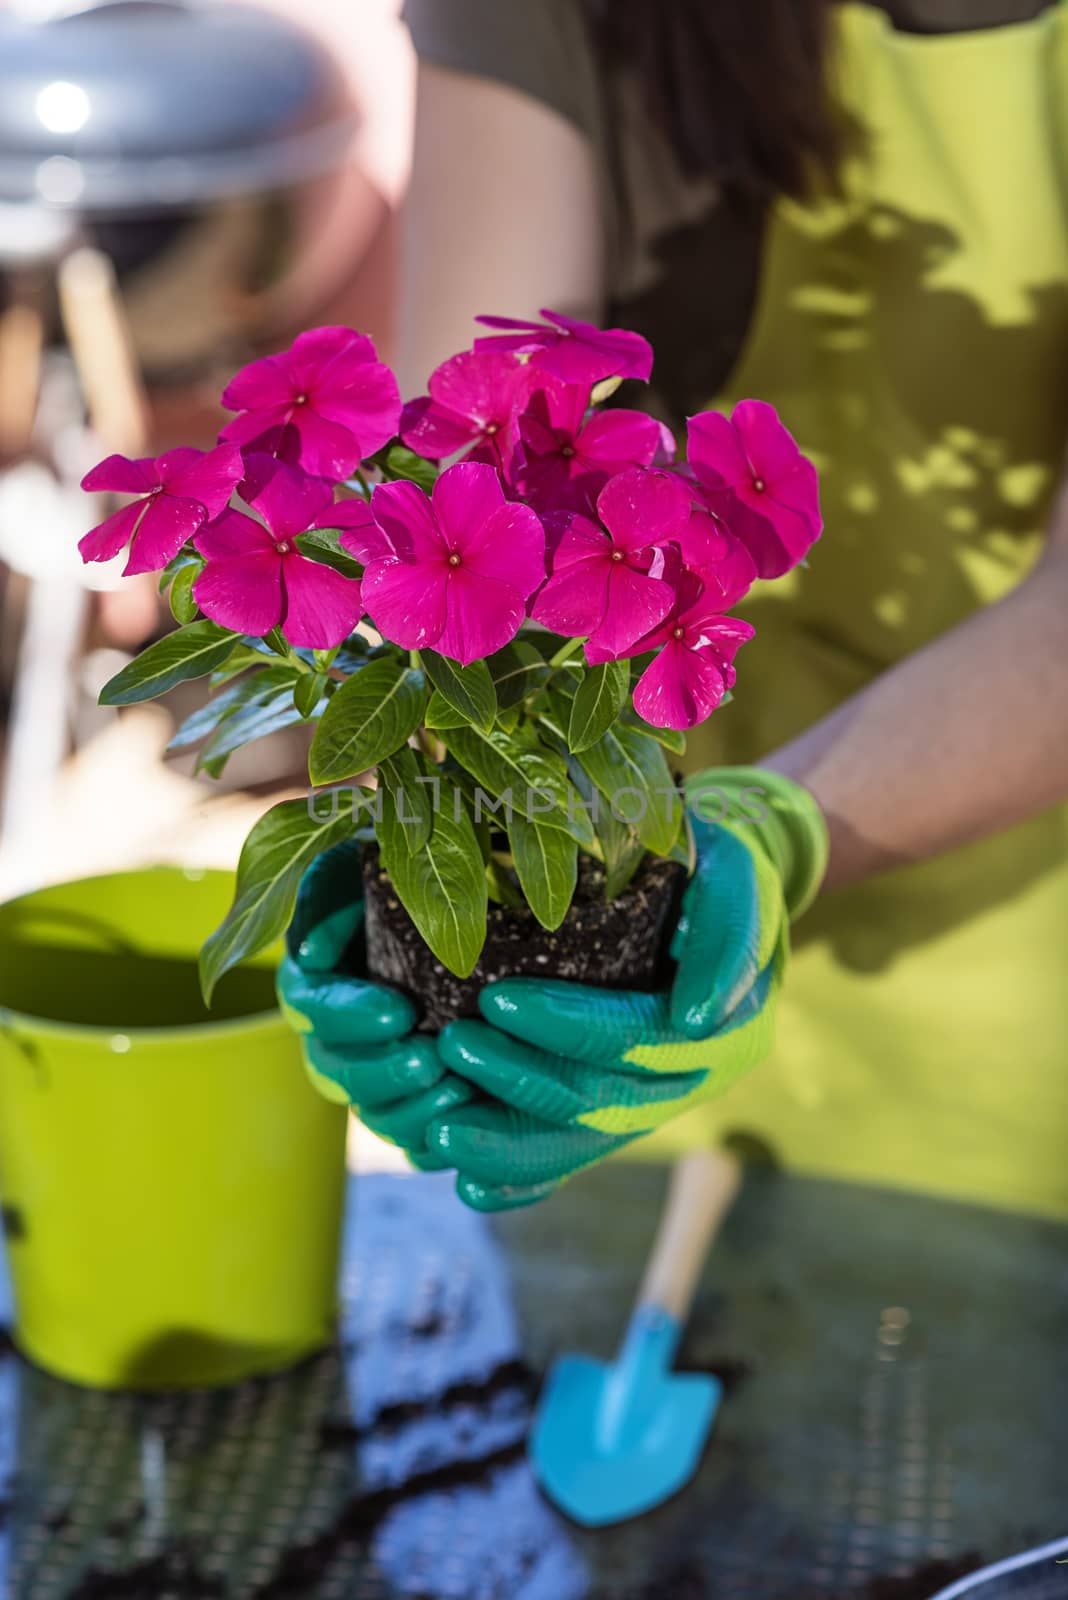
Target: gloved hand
{"x":356,"y":1034}
{"x":575,"y":1072}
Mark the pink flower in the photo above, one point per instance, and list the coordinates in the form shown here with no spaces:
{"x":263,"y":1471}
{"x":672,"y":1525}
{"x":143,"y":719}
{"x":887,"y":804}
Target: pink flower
{"x":754,"y":476}
{"x":471,"y":406}
{"x":256,"y":579}
{"x":324,"y":404}
{"x":576,"y":352}
{"x":459,"y":565}
{"x":568,"y":458}
{"x":179,"y":491}
{"x":610,"y":586}
{"x":687,"y":679}
{"x":721,"y":561}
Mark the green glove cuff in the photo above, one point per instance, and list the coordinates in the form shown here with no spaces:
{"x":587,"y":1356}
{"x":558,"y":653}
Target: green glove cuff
{"x":775,"y":812}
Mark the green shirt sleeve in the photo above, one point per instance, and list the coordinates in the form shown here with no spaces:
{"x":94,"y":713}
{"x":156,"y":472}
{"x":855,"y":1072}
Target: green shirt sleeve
{"x":540,"y":47}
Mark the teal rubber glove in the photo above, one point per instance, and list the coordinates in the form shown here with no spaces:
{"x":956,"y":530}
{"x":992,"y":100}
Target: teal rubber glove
{"x":356,"y":1034}
{"x":570,"y":1073}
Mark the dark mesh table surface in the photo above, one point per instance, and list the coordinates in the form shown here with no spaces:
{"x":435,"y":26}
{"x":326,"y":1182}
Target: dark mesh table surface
{"x":897,"y":1415}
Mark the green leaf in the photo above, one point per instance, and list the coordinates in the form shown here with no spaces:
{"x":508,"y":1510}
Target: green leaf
{"x":468,"y":690}
{"x":500,"y":885}
{"x":273,"y":860}
{"x":599,"y":699}
{"x":205,"y":719}
{"x":188,"y":652}
{"x":183,"y":607}
{"x":252,"y":721}
{"x":547,"y":863}
{"x":372,"y":715}
{"x":517,"y":763}
{"x":621,"y":849}
{"x":408,"y":803}
{"x":632,"y":774}
{"x":308,"y":691}
{"x":278,"y":644}
{"x":517,"y":671}
{"x":324,"y":546}
{"x":397,"y":461}
{"x":443,"y":886}
{"x":672,"y":739}
{"x":440,"y":714}
{"x":186,"y":557}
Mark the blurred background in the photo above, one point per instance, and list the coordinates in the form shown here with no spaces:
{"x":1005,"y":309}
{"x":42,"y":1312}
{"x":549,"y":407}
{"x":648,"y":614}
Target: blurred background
{"x":184,"y":184}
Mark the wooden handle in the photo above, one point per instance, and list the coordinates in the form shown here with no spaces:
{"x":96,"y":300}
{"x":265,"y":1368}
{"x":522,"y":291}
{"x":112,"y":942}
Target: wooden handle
{"x":94,"y":322}
{"x":702,"y":1187}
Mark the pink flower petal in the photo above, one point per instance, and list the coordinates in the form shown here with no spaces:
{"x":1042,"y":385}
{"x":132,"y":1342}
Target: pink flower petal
{"x":620,"y":353}
{"x":642,"y":508}
{"x":259,"y":386}
{"x":318,"y":446}
{"x":262,"y":428}
{"x":679,"y":688}
{"x":288,"y":501}
{"x":714,"y":450}
{"x":572,"y":537}
{"x":776,"y":537}
{"x":463,"y":497}
{"x":557,"y":405}
{"x":480,"y":384}
{"x":510,"y":547}
{"x":573,"y":351}
{"x":405,"y":602}
{"x":575,"y":597}
{"x":616,"y":439}
{"x":366,"y":401}
{"x":359,"y":533}
{"x":243,"y":593}
{"x":210,"y":477}
{"x":723,"y":636}
{"x":104,"y":542}
{"x":635,"y":603}
{"x":321,"y":606}
{"x":167,"y":523}
{"x":728,"y":579}
{"x":770,"y":448}
{"x":314,"y":357}
{"x":704,"y":541}
{"x":433,"y":432}
{"x":482,"y":615}
{"x":233,"y":534}
{"x":119,"y":475}
{"x":404,"y":514}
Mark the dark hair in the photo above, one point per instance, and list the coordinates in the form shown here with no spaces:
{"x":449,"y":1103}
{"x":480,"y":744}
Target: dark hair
{"x":738,"y":86}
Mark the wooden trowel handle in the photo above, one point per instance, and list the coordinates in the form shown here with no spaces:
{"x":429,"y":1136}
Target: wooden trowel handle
{"x":702,"y":1187}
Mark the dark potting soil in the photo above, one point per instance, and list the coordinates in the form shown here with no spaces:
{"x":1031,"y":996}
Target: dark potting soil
{"x":615,"y":944}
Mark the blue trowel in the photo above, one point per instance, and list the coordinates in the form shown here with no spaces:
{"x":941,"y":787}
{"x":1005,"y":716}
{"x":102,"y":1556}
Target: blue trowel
{"x":610,"y":1441}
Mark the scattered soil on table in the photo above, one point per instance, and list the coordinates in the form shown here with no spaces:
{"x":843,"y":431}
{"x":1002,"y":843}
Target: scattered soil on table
{"x":926,"y":1580}
{"x":170,"y":1573}
{"x":617,"y":944}
{"x":510,"y":1376}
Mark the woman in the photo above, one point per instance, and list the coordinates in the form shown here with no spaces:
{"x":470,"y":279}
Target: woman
{"x":860,"y":213}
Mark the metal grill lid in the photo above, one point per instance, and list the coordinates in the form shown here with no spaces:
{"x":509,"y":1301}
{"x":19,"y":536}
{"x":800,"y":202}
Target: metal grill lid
{"x":161,"y":103}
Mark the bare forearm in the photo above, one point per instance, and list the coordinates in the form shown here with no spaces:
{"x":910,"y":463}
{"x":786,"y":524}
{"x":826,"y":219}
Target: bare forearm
{"x":964,"y":738}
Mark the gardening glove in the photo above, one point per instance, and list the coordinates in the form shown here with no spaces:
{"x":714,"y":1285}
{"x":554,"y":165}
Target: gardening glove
{"x":356,"y":1035}
{"x":573,"y":1073}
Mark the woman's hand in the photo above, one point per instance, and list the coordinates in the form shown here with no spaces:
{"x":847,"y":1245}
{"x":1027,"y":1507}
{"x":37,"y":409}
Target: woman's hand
{"x":569,"y":1074}
{"x":356,"y":1035}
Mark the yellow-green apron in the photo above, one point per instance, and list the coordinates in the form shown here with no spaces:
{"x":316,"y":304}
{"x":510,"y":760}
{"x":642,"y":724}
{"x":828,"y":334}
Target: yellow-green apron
{"x":914,"y":336}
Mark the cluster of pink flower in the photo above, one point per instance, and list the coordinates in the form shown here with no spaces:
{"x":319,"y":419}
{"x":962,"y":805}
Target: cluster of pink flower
{"x":559,"y":510}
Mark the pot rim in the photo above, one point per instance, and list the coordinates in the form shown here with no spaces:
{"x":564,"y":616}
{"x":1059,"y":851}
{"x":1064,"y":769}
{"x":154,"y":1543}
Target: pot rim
{"x":29,"y":1023}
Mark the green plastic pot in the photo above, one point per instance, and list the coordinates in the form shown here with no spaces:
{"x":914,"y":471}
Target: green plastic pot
{"x":172,"y":1185}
